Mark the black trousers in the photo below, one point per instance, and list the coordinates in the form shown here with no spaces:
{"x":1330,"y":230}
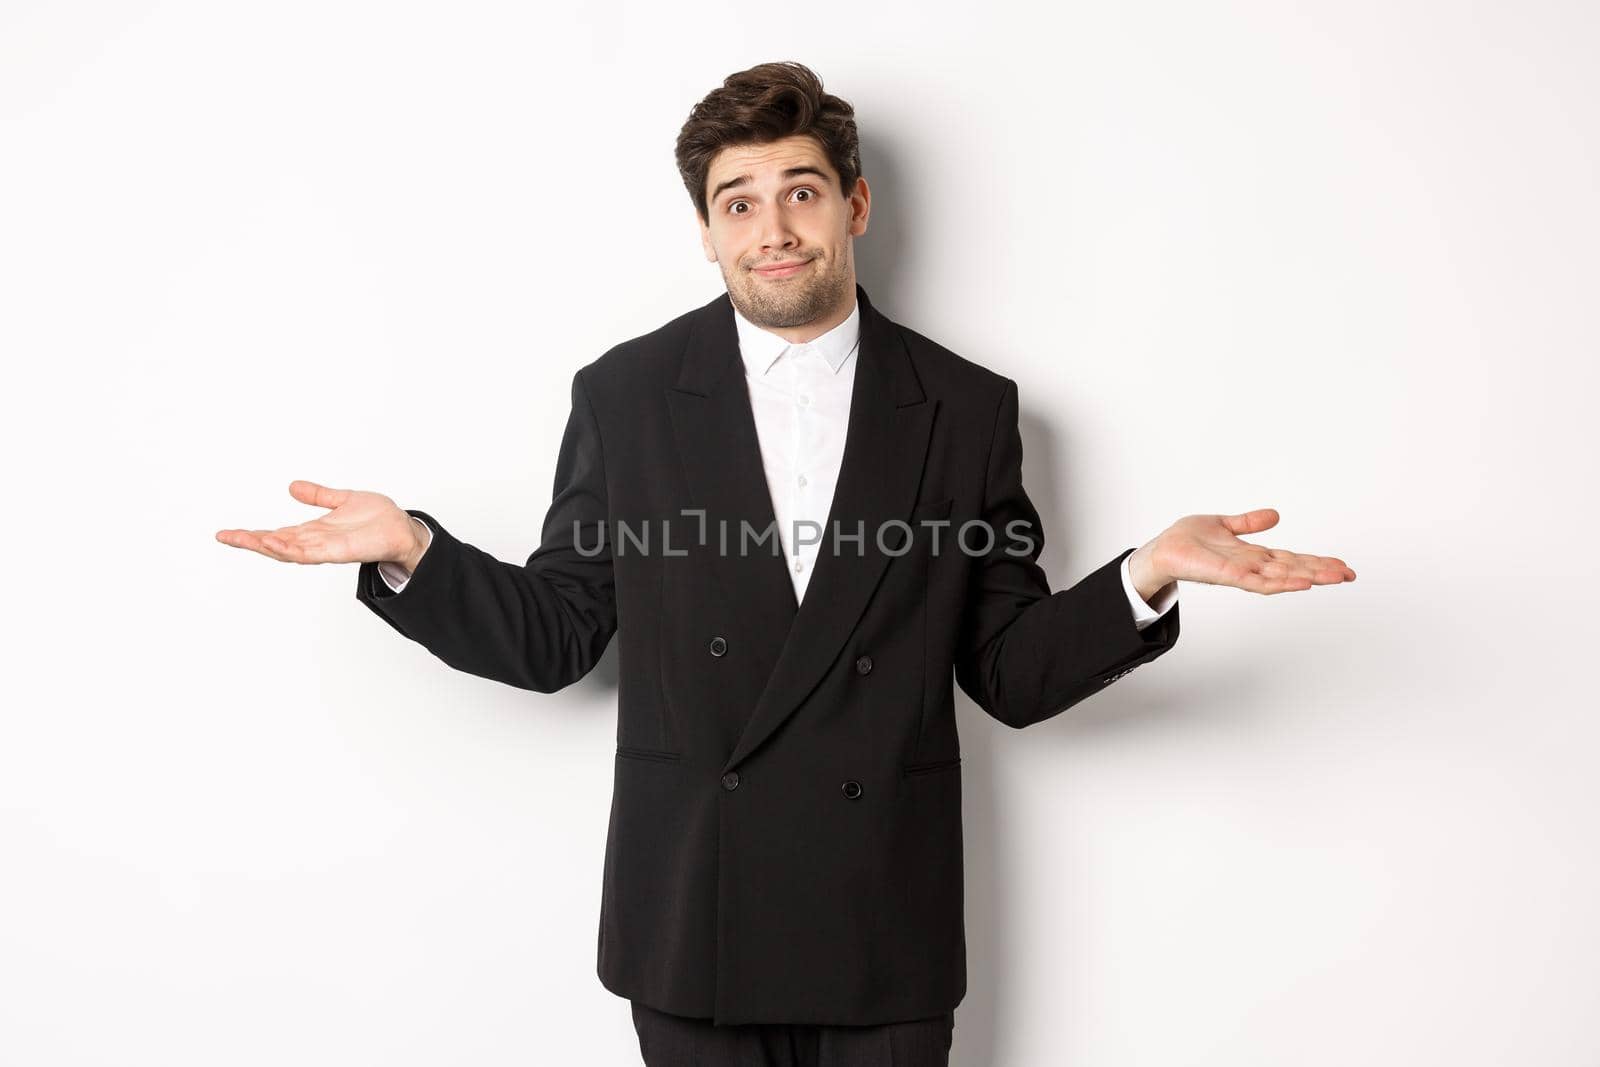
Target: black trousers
{"x":675,"y":1041}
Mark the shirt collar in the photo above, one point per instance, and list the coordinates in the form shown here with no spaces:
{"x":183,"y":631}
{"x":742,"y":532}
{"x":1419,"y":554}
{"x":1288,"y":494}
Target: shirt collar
{"x":760,"y":347}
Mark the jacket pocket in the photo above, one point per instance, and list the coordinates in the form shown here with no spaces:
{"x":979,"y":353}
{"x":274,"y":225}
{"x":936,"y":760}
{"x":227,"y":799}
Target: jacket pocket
{"x":930,"y":767}
{"x":629,"y":752}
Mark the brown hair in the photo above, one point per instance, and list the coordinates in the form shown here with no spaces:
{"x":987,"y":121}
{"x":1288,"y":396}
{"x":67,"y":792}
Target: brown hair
{"x":765,"y":103}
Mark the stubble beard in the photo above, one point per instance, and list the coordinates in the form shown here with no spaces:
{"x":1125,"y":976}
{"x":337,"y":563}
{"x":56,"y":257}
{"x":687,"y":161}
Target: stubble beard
{"x":776,"y":305}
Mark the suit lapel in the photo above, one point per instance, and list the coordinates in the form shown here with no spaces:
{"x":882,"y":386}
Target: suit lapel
{"x":885,"y":445}
{"x":715,"y":430}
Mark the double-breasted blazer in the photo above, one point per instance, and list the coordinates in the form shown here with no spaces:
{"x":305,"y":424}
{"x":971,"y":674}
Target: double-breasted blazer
{"x":785,"y":839}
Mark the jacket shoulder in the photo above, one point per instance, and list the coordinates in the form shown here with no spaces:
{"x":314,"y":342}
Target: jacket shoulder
{"x":953,"y":378}
{"x":651,"y":358}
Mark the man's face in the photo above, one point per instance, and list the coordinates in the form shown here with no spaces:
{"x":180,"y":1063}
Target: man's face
{"x":779,"y":203}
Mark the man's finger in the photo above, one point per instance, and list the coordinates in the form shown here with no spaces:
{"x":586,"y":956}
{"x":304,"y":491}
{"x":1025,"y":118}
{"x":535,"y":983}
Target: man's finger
{"x":322,"y":496}
{"x":1251,"y":521}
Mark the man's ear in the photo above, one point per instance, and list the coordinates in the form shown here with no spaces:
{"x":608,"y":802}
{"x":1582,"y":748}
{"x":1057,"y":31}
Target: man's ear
{"x":705,"y":239}
{"x":860,"y":208}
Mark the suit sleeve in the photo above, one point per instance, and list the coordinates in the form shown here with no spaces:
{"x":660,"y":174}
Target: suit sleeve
{"x":539,"y":626}
{"x":1025,"y":654}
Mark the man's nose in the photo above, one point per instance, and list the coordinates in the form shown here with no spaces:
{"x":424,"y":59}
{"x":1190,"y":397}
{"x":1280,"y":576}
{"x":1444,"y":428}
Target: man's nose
{"x":778,"y":234}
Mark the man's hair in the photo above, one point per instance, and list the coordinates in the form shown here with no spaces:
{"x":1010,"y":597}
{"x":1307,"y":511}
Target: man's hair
{"x":765,"y":103}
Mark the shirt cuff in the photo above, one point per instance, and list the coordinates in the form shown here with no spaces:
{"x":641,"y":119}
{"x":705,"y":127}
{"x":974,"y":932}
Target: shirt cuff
{"x":394,"y":575}
{"x":1143,"y":613}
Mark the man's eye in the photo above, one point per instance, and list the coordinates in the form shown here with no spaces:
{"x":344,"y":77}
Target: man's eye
{"x":811,"y":194}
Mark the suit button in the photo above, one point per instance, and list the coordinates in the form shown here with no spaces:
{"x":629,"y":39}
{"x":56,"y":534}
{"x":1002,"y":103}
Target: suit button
{"x":852,"y":788}
{"x":730,"y":781}
{"x":718,"y":646}
{"x":864,"y":665}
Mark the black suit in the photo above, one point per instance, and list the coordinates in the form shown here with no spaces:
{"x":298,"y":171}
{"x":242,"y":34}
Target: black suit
{"x":785,"y":830}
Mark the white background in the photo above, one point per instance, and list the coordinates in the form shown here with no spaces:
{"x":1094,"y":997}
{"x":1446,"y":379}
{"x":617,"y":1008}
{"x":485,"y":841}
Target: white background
{"x":1340,"y":260}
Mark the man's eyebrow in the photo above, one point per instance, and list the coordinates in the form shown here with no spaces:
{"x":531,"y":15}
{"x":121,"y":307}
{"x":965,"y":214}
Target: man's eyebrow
{"x":744,"y":179}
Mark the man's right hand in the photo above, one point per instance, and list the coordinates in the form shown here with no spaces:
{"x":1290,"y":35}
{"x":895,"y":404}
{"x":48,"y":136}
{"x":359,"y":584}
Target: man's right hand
{"x":362,"y":527}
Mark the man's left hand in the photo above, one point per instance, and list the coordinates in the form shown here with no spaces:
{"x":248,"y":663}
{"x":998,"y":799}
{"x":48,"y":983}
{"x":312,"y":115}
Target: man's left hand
{"x":1207,"y":548}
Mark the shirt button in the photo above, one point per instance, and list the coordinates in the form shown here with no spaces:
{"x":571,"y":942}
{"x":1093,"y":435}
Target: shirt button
{"x":852,"y":788}
{"x":864,"y":665}
{"x":730,"y":781}
{"x":802,"y":479}
{"x":719,"y":645}
{"x":804,"y":400}
{"x":798,"y":566}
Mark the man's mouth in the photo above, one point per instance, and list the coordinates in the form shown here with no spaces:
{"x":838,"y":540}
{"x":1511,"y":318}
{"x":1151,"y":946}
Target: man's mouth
{"x":782,"y":270}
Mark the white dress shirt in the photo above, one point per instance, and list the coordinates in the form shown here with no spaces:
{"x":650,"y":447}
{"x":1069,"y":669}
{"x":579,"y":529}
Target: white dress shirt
{"x":800,"y":396}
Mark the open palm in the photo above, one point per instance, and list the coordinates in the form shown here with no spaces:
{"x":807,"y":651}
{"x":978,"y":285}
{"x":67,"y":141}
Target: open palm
{"x":362,"y":527}
{"x":1207,"y":548}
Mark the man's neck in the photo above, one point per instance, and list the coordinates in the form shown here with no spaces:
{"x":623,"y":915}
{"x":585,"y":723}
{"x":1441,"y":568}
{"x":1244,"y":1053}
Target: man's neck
{"x":810,"y":331}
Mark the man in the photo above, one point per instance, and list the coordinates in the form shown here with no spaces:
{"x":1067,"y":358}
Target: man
{"x":783,"y":878}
